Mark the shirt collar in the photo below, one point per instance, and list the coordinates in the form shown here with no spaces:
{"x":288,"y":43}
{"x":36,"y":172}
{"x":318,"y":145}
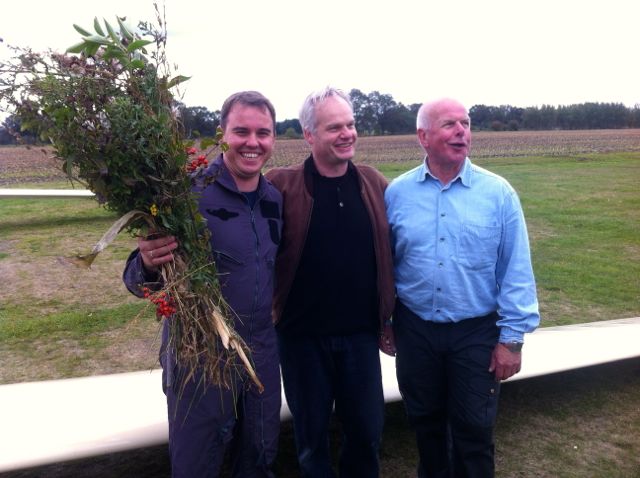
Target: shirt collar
{"x":464,"y":174}
{"x":219,"y":171}
{"x":310,"y":167}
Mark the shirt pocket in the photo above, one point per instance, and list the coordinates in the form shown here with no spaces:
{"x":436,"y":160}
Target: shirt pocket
{"x":227,"y":262}
{"x":478,"y":245}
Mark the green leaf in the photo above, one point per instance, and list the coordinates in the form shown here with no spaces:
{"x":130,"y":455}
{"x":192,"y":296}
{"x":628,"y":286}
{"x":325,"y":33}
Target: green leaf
{"x":91,"y":48}
{"x":177,"y":80}
{"x":67,"y":165}
{"x":97,"y":39}
{"x":124,"y":29}
{"x":111,"y":53}
{"x":137,"y":64}
{"x":138,"y":44}
{"x":207,"y":142}
{"x":97,"y":27}
{"x":112,"y":32}
{"x":77,"y":48}
{"x":81,"y":30}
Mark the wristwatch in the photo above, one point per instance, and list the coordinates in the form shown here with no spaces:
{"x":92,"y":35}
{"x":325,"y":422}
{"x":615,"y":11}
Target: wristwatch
{"x":513,"y":346}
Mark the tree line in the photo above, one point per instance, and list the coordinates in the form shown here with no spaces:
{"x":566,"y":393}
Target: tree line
{"x":379,"y":114}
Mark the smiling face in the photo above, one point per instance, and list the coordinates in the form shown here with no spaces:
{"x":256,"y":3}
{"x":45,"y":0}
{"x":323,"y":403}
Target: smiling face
{"x":447,"y":137}
{"x":334,"y":137}
{"x":250,"y":136}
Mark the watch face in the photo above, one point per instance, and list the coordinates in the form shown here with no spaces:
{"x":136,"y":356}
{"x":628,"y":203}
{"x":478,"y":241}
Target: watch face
{"x":513,"y":346}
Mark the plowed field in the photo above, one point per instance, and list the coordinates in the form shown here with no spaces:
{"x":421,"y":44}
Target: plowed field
{"x":19,"y":164}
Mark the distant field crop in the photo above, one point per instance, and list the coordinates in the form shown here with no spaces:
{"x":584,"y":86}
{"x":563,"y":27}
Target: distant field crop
{"x":21,"y":164}
{"x":386,"y":149}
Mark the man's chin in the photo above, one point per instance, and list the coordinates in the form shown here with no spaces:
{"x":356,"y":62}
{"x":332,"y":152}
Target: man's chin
{"x":345,"y":156}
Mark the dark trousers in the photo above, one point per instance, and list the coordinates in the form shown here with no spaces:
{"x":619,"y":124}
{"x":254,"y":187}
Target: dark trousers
{"x":207,"y":423}
{"x":319,"y":372}
{"x":450,"y":397}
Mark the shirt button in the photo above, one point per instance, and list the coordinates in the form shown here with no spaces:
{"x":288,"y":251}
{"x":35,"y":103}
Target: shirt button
{"x":442,"y":214}
{"x":442,"y":239}
{"x":437,"y":311}
{"x":439,"y":289}
{"x":440,"y":264}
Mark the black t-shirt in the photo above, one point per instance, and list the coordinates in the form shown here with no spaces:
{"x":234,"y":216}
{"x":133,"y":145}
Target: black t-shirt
{"x":252,"y":197}
{"x":334,"y":291}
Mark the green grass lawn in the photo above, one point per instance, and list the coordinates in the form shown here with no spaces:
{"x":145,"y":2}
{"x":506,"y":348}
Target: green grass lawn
{"x":57,"y":320}
{"x":584,"y":221}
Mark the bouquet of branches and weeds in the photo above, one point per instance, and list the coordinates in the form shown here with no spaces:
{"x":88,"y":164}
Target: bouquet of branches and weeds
{"x":106,"y":107}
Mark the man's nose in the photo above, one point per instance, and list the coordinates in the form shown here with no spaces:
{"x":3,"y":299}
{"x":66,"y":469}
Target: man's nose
{"x":345,"y":131}
{"x":252,"y":140}
{"x":460,"y":128}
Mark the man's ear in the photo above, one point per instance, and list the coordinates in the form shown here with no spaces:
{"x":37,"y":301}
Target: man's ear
{"x":422,"y":137}
{"x":308,"y":136}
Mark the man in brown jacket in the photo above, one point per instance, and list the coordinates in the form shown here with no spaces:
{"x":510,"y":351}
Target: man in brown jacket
{"x":334,"y":292}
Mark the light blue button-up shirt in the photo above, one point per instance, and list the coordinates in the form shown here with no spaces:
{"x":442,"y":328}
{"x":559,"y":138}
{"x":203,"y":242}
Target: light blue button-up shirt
{"x":461,"y":250}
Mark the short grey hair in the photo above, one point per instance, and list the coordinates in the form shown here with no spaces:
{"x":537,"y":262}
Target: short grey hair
{"x":307,"y":115}
{"x":423,"y":120}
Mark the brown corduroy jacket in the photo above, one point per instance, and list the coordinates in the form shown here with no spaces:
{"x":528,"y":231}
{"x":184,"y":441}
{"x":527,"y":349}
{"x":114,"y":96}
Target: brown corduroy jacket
{"x":295,"y":183}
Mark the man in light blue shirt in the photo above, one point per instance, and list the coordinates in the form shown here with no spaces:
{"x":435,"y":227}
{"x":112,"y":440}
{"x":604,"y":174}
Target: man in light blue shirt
{"x":466,"y":294}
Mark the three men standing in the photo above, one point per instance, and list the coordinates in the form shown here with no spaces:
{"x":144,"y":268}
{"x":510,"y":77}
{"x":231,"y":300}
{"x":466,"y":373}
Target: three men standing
{"x":465,"y":295}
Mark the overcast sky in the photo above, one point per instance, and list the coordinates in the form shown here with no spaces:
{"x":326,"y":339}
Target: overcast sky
{"x":517,"y":52}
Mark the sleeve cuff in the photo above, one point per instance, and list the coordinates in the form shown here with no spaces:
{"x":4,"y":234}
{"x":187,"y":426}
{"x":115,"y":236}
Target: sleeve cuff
{"x":509,"y":335}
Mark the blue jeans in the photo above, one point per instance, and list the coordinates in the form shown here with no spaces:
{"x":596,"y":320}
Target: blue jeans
{"x":319,"y":372}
